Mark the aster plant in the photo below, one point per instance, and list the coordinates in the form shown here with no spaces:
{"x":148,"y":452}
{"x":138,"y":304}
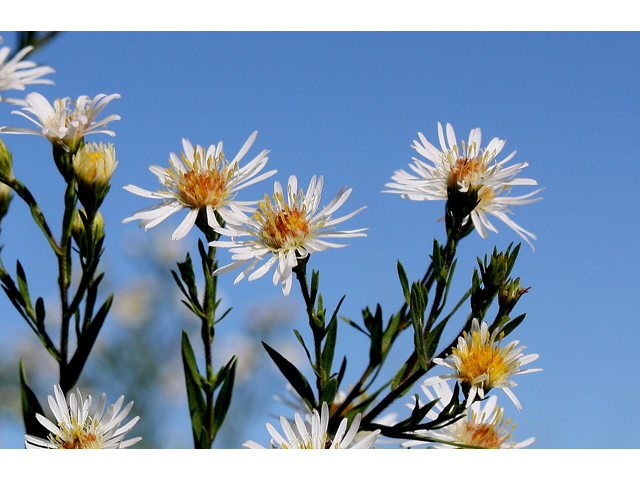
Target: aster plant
{"x":279,"y":234}
{"x":86,"y":171}
{"x":289,"y":226}
{"x":205,"y":183}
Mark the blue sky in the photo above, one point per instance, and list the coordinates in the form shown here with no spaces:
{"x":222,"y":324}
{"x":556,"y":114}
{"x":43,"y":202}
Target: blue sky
{"x":347,"y":105}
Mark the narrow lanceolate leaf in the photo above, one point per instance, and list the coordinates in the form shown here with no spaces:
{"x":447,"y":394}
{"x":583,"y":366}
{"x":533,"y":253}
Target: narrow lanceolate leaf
{"x":85,"y":344}
{"x":433,"y":338}
{"x":22,"y":284}
{"x":293,"y":375}
{"x":194,"y":393}
{"x":343,"y":368}
{"x":375,"y":327}
{"x":330,"y":390}
{"x":301,"y":340}
{"x":418,"y":304}
{"x":404,"y":282}
{"x":40,"y":314}
{"x":329,"y":347}
{"x":189,"y":279}
{"x":510,"y":327}
{"x":30,"y":406}
{"x":224,"y":397}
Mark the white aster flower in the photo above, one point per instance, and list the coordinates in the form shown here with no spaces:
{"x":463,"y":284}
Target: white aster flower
{"x":75,"y":428}
{"x":466,"y":169}
{"x":312,"y":434}
{"x":65,"y":123}
{"x":197,"y":180}
{"x":16,"y":73}
{"x":482,"y":364}
{"x":286,"y":228}
{"x":484,"y":426}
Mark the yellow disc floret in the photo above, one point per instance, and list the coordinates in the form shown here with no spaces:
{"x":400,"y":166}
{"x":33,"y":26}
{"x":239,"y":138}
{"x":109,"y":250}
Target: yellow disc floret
{"x":480,"y":361}
{"x":206,"y":182}
{"x":283,"y":227}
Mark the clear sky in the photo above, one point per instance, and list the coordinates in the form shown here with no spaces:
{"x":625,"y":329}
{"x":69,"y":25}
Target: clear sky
{"x":347,"y":105}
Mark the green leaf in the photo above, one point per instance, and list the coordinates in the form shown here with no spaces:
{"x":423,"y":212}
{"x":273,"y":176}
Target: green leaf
{"x":315,"y":282}
{"x":375,"y":327}
{"x":433,"y":338}
{"x":293,"y":376}
{"x":195,"y":398}
{"x":343,"y":368}
{"x":404,"y":282}
{"x":329,"y":347}
{"x":40,"y":314}
{"x":398,"y":376}
{"x":511,"y":326}
{"x":511,"y":258}
{"x":179,"y":283}
{"x":22,"y":284}
{"x":418,"y":304}
{"x":224,"y":397}
{"x":301,"y":340}
{"x":355,"y":325}
{"x":189,"y":279}
{"x":30,"y":406}
{"x":439,"y":271}
{"x":85,"y":344}
{"x":390,"y":332}
{"x":329,"y":393}
{"x":330,"y":334}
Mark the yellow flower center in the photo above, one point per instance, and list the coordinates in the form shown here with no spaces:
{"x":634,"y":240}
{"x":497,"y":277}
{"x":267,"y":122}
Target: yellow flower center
{"x":204,"y":183}
{"x":482,"y":435}
{"x":282,"y":227}
{"x":481,"y":360}
{"x":93,"y":161}
{"x":76,"y":436}
{"x":198,"y":189}
{"x":466,"y":171}
{"x":485,"y":435}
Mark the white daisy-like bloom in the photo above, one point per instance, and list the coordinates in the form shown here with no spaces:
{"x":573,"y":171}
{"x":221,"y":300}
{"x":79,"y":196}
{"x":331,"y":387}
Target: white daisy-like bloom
{"x":480,"y":363}
{"x":464,"y":169}
{"x":484,"y":426}
{"x":286,"y":228}
{"x":197,"y":180}
{"x":16,"y":73}
{"x":312,"y":434}
{"x":65,"y":123}
{"x":75,"y":428}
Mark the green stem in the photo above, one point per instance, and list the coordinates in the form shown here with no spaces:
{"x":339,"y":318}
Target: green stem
{"x":318,"y":331}
{"x":64,"y":280}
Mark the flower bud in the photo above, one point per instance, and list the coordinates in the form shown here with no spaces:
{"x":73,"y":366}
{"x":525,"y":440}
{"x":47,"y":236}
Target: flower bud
{"x":6,"y":162}
{"x":509,"y":295}
{"x":94,"y":165}
{"x":78,"y":230}
{"x":5,"y":199}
